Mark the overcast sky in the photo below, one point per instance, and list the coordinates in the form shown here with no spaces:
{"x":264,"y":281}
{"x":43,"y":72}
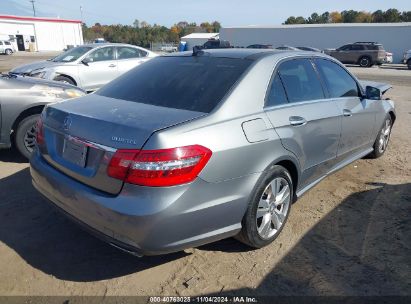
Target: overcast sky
{"x":166,"y":12}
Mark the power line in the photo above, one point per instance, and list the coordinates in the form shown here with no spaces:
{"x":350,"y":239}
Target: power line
{"x":34,"y":9}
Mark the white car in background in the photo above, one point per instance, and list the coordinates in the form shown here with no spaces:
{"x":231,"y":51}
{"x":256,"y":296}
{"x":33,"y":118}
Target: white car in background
{"x":388,"y":57}
{"x":6,"y":47}
{"x":88,"y":66}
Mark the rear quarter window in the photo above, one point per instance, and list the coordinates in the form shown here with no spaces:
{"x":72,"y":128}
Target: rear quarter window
{"x":193,"y":83}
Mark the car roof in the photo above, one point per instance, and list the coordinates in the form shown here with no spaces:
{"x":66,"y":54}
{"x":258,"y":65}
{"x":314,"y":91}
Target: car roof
{"x":96,"y":45}
{"x":246,"y":53}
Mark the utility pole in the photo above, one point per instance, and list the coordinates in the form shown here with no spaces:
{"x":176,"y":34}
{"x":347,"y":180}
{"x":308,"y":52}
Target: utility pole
{"x":34,"y":9}
{"x":81,"y":13}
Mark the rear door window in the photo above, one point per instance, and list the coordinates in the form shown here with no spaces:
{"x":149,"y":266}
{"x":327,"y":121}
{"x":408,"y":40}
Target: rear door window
{"x":129,"y":52}
{"x":339,"y":82}
{"x":357,"y":47}
{"x":300,"y":80}
{"x":194,"y":83}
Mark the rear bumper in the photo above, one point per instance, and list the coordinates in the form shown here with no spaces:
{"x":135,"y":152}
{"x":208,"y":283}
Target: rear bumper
{"x":146,"y":220}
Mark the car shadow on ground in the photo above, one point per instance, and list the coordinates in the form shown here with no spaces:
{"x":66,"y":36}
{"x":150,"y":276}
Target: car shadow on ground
{"x":50,"y":242}
{"x":12,"y":156}
{"x":361,"y":248}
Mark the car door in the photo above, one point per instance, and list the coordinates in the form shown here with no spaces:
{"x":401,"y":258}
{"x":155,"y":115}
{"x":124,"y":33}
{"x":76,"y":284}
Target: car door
{"x":358,"y":114}
{"x":357,"y":51}
{"x":308,"y":123}
{"x":343,"y":53}
{"x":100,"y":69}
{"x":2,"y":47}
{"x":129,"y":57}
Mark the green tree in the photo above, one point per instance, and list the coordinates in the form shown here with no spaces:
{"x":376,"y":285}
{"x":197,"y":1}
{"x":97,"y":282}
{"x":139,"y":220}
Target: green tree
{"x":392,"y":15}
{"x":349,"y":16}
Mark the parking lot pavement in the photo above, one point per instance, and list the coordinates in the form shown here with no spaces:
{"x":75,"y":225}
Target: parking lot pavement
{"x":350,"y":235}
{"x":20,"y":58}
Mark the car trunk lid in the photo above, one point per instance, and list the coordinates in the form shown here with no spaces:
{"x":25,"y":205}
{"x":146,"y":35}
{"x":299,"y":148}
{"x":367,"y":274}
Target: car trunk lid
{"x":81,"y":135}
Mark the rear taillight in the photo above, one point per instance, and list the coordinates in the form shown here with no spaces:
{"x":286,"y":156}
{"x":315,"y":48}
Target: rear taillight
{"x":39,"y":131}
{"x":159,"y":168}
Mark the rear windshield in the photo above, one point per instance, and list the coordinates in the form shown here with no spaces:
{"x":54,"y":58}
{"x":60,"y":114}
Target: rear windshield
{"x":195,"y":83}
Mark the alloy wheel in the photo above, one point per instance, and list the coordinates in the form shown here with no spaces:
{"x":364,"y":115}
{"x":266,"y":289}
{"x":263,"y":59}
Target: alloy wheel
{"x":273,"y":207}
{"x":385,"y":136}
{"x":30,"y":139}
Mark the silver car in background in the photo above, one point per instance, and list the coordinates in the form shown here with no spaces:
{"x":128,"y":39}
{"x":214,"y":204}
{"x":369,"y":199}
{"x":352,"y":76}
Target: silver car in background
{"x":89,"y":66}
{"x":195,"y":147}
{"x":21,"y":101}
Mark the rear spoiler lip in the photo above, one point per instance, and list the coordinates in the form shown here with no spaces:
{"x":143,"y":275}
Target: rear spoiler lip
{"x":383,"y":87}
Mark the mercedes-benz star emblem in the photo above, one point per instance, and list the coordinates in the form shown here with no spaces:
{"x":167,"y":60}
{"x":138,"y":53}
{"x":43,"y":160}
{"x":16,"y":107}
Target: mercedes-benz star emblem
{"x":67,"y":123}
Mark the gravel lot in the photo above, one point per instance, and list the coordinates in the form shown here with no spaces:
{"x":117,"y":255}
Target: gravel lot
{"x":350,"y":235}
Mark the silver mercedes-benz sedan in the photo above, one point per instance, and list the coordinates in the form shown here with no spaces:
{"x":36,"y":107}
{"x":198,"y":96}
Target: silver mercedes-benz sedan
{"x":88,"y":66}
{"x":195,"y":147}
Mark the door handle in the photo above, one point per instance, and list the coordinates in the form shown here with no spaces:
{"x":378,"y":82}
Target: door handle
{"x":112,"y":65}
{"x":347,"y":113}
{"x":297,"y":121}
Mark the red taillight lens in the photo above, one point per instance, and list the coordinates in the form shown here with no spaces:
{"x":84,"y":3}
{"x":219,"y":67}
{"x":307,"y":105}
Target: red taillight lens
{"x":39,"y":132}
{"x":159,"y":168}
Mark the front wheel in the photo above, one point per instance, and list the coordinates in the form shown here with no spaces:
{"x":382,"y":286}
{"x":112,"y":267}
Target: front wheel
{"x":9,"y":52}
{"x":268,"y":209}
{"x":381,"y":143}
{"x":25,"y":139}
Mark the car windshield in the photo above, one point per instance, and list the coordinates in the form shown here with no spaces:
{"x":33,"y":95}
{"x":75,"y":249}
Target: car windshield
{"x":72,"y":54}
{"x":194,"y":83}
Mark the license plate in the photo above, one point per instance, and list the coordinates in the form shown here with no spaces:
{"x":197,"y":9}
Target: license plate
{"x":75,"y":152}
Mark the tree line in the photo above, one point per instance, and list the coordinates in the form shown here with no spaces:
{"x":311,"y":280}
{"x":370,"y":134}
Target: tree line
{"x":142,"y":33}
{"x":351,"y":16}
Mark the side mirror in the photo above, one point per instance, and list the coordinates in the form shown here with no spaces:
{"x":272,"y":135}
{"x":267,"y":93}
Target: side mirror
{"x":373,"y":93}
{"x":87,"y":60}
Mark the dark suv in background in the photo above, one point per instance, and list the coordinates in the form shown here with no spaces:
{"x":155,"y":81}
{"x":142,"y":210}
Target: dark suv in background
{"x":364,"y":54}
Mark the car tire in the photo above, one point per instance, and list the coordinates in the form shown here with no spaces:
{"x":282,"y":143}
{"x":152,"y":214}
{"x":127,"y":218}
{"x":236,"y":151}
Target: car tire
{"x":263,"y":221}
{"x":409,"y":64}
{"x":383,"y":138}
{"x":25,"y":137}
{"x":8,"y":51}
{"x":65,"y":79}
{"x":365,"y":62}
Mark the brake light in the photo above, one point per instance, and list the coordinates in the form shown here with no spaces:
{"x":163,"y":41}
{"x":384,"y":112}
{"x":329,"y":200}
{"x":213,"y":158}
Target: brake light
{"x":159,"y":168}
{"x":39,"y":131}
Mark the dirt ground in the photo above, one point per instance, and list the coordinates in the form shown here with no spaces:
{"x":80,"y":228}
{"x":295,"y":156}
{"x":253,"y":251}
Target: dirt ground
{"x":350,"y":235}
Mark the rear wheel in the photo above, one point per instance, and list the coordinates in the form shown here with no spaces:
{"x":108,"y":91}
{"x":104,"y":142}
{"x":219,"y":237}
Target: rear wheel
{"x":381,"y":143}
{"x":9,"y":52}
{"x":25,"y":139}
{"x":268,"y":210}
{"x":65,"y":79}
{"x":365,"y":62}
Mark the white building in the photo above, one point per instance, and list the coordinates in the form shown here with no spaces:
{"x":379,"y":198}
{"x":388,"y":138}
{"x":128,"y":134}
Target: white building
{"x":395,"y":37}
{"x":40,"y":34}
{"x":197,"y":39}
